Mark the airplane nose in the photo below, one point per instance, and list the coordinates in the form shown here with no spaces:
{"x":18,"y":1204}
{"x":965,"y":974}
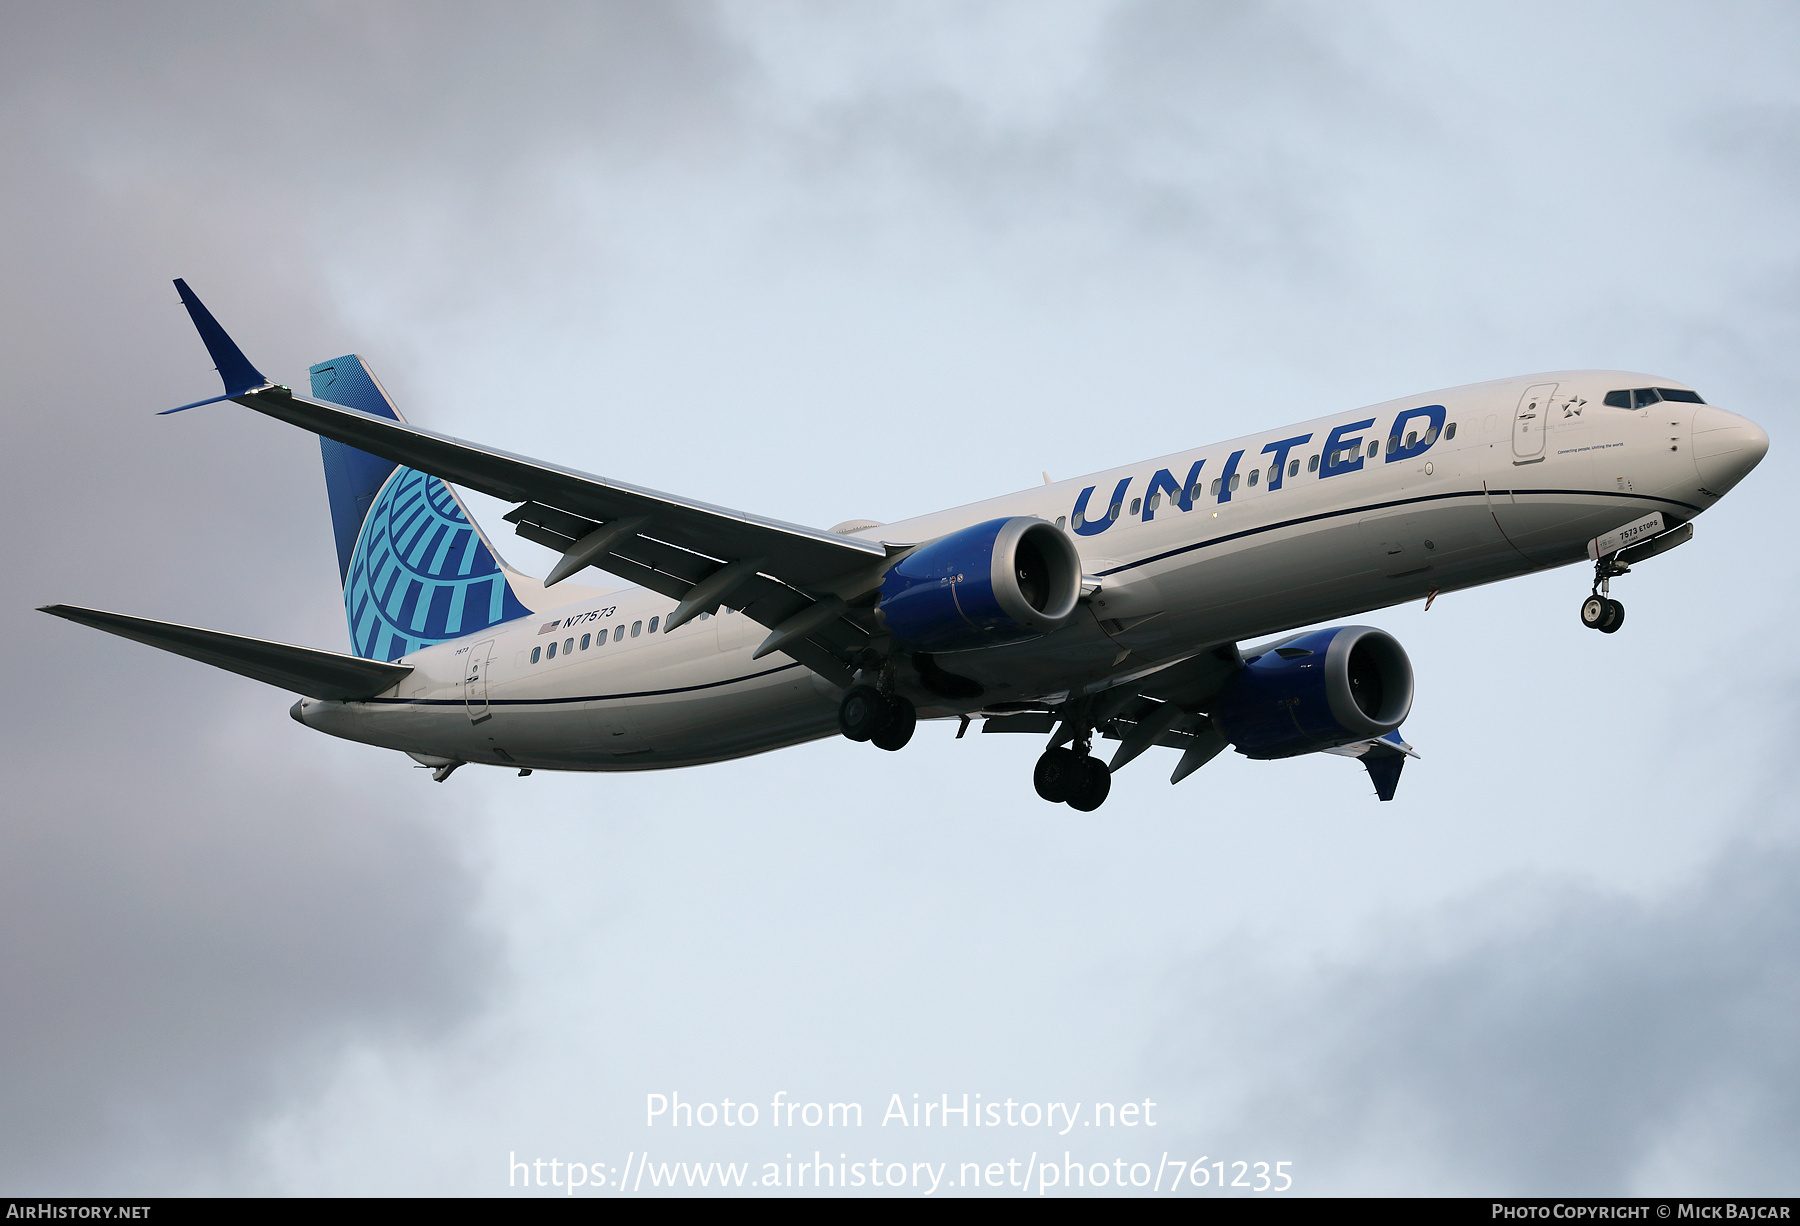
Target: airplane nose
{"x":1726,"y":447}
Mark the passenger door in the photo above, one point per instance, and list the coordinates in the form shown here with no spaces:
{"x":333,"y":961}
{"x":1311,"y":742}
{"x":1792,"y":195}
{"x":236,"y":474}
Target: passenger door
{"x":1529,"y":421}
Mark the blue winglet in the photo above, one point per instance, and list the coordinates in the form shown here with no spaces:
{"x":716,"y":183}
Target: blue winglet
{"x":1383,"y":761}
{"x":1384,"y":771}
{"x":233,"y":367}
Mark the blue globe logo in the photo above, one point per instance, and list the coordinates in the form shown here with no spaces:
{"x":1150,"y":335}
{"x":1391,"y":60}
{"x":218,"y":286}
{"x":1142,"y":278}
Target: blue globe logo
{"x":421,"y":573}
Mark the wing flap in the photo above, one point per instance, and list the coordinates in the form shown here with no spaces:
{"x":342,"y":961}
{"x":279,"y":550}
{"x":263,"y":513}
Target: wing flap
{"x":300,"y":670}
{"x":672,"y":571}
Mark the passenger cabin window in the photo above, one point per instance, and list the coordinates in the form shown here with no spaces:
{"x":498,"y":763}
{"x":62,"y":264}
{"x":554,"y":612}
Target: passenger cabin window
{"x":1059,"y":523}
{"x":1155,"y":501}
{"x":637,"y":628}
{"x":1293,"y":468}
{"x":1137,"y":504}
{"x":1373,"y":449}
{"x":536,"y":654}
{"x":1450,"y":431}
{"x":1112,"y":512}
{"x":1431,"y":436}
{"x":1312,"y":465}
{"x":568,"y":645}
{"x":1234,"y":481}
{"x":551,"y":654}
{"x":1215,"y":485}
{"x":1253,"y":477}
{"x":1412,"y":438}
{"x":618,"y":632}
{"x":653,"y":622}
{"x":1079,"y":519}
{"x":585,"y":640}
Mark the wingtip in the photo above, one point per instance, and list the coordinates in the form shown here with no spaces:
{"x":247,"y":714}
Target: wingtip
{"x":236,"y":370}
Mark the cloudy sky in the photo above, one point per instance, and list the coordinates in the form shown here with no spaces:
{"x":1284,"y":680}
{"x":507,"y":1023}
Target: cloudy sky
{"x":863,"y":261}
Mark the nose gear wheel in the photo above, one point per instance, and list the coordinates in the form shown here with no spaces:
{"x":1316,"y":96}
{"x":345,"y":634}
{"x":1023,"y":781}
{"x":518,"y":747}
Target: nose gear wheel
{"x":1600,"y":611}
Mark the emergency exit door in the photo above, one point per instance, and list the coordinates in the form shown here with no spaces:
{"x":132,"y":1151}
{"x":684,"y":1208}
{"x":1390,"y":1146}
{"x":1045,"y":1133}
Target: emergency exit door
{"x":475,"y":680}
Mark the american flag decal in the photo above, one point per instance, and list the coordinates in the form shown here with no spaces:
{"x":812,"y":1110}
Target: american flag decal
{"x":547,"y":627}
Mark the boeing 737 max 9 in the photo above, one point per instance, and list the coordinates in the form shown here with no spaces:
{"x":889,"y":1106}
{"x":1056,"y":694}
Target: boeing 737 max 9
{"x":1110,"y":606}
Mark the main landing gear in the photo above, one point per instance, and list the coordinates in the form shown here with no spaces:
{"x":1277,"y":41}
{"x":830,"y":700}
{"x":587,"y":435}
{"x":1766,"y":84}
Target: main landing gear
{"x":1600,"y":611}
{"x":1072,"y":777}
{"x":866,"y":714}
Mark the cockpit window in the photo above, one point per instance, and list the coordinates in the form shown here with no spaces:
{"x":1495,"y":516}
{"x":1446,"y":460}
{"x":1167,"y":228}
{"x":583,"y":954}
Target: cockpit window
{"x":1644,"y":397}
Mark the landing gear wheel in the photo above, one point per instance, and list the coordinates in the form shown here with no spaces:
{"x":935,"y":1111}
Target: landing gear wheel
{"x":1056,"y":771}
{"x":1615,"y":618}
{"x":1091,"y":786}
{"x":899,"y":720}
{"x":1594,"y":611}
{"x":861,"y":713}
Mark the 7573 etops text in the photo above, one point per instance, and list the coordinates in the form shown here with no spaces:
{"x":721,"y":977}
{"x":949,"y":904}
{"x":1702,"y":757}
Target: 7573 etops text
{"x":964,"y":1111}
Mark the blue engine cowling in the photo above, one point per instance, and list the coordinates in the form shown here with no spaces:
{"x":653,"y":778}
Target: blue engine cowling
{"x":996,"y":582}
{"x":1318,"y":691}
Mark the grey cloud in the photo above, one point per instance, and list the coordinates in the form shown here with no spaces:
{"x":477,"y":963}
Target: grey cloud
{"x":194,"y":921}
{"x":1588,"y":1045}
{"x":187,"y":941}
{"x":318,"y":97}
{"x":1231,"y":123}
{"x":204,"y":907}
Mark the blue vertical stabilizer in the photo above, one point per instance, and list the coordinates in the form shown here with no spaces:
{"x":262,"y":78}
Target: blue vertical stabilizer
{"x":415,"y":570}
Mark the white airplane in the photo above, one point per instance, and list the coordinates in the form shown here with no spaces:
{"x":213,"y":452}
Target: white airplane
{"x":1111,"y":605}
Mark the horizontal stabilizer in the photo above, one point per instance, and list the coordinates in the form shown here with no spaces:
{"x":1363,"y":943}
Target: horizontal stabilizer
{"x":300,"y":670}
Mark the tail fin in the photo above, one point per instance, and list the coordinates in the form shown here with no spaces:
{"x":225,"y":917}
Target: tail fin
{"x":416,"y":570}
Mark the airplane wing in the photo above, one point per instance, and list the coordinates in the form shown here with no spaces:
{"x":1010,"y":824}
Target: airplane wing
{"x":301,"y":670}
{"x":800,"y":582}
{"x":805,"y":556}
{"x":795,"y":580}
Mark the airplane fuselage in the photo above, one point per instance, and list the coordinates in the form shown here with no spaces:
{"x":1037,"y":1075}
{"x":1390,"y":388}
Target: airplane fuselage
{"x":1248,"y":538}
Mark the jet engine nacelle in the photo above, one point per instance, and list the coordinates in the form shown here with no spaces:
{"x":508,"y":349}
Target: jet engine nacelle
{"x":1324,"y":689}
{"x":996,"y":582}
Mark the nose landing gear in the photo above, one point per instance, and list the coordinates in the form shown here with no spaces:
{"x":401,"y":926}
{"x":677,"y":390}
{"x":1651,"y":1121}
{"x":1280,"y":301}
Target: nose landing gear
{"x":1600,"y":611}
